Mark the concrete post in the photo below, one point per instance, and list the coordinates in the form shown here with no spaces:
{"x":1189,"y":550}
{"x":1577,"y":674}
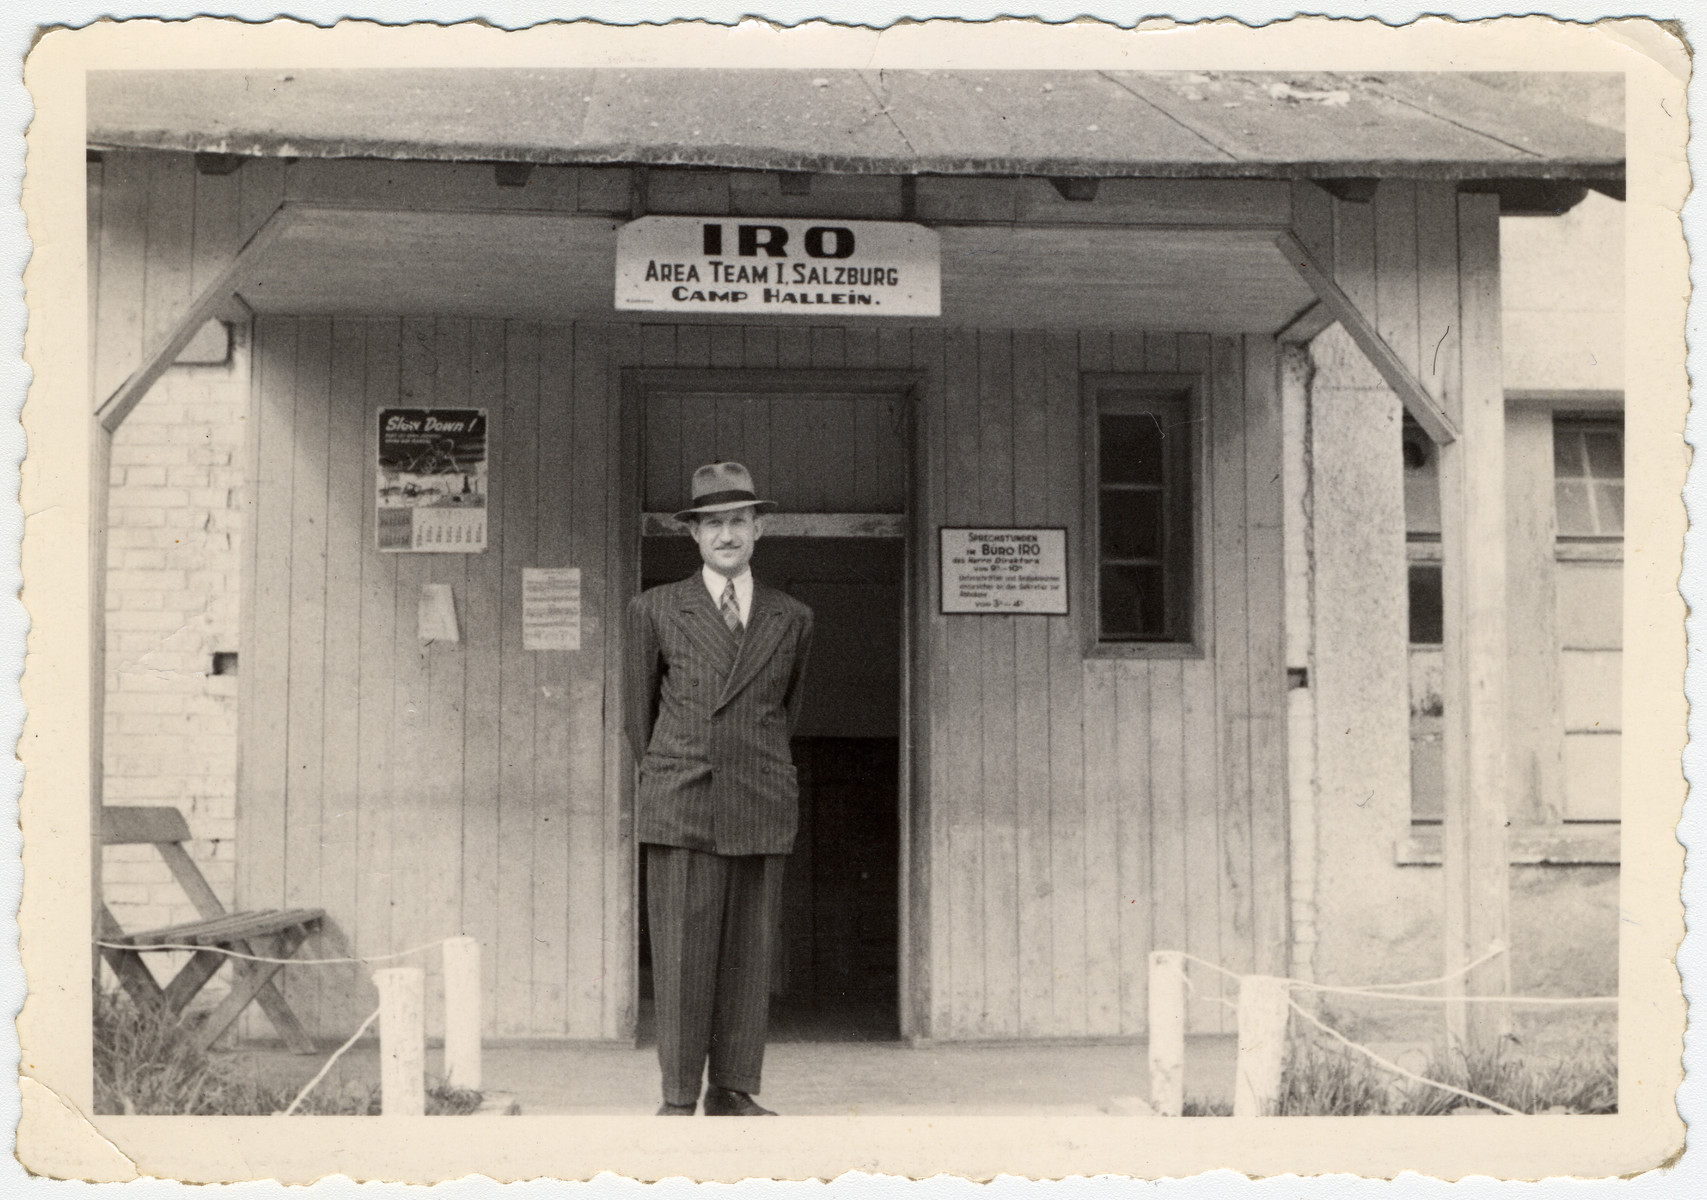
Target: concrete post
{"x":462,"y":1012}
{"x":1263,"y":1012}
{"x":402,"y":1042}
{"x":1167,"y":1032}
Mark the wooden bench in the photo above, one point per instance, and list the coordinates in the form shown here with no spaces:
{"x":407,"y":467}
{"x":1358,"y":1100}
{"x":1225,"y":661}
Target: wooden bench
{"x":270,"y":933}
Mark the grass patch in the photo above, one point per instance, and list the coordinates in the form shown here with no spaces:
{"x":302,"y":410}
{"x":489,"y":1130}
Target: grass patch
{"x":1587,"y":1084}
{"x":146,"y":1065}
{"x":1328,"y":1080}
{"x":1332,"y":1082}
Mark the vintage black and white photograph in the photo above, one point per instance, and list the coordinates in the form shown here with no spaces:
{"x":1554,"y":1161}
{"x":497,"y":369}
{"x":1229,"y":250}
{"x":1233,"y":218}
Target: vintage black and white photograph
{"x":624,"y":590}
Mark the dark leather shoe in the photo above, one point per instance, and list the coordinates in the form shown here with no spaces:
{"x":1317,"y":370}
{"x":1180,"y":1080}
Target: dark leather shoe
{"x":675,"y":1110}
{"x":726,"y":1102}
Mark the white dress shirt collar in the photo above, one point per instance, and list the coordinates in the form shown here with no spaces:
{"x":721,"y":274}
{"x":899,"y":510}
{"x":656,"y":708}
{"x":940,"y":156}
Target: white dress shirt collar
{"x":714,"y":582}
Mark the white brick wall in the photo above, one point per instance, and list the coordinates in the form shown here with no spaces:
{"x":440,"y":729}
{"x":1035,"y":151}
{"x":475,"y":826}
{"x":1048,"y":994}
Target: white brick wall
{"x":173,"y":588}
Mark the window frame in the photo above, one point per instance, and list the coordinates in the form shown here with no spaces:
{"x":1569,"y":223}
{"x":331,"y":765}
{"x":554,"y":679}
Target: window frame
{"x":1562,"y":840}
{"x":1584,"y":422}
{"x":1193,"y":639}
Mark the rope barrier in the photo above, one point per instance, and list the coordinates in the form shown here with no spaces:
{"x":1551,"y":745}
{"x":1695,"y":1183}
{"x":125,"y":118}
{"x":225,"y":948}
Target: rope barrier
{"x":1350,"y":991}
{"x":1388,"y":991}
{"x":336,"y":1055}
{"x":1380,"y":989}
{"x":1395,"y":1067}
{"x":1494,"y":952}
{"x":288,"y":962}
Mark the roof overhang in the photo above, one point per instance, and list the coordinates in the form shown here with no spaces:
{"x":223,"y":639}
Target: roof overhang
{"x":1105,"y":124}
{"x":556,"y":267}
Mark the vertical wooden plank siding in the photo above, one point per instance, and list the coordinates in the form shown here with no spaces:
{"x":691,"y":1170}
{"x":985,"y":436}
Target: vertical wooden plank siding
{"x":958,"y":713}
{"x":512,"y":1003}
{"x":1230,"y":830}
{"x":482,"y":633}
{"x":1070,"y":810}
{"x":446,"y":675}
{"x":596,"y":536}
{"x":265,"y":679}
{"x":1033,"y":695}
{"x":1137,"y":897}
{"x":1099,"y":683}
{"x":933,"y":1011}
{"x":376,"y":711}
{"x":171,"y":244}
{"x":1395,"y":310}
{"x":123,"y":241}
{"x":419,"y":786}
{"x":217,"y":231}
{"x":1136,"y":778}
{"x":344,"y":987}
{"x":1066,"y":822}
{"x":998,"y":682}
{"x":621,"y":997}
{"x":553,"y":515}
{"x":586,"y":456}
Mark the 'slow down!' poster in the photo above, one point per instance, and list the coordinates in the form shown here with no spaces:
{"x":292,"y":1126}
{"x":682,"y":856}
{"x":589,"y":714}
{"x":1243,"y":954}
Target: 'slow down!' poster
{"x":432,"y":480}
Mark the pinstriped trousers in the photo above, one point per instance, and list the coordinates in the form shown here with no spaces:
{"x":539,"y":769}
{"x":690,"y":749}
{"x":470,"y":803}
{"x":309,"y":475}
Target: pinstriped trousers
{"x":713,"y":919}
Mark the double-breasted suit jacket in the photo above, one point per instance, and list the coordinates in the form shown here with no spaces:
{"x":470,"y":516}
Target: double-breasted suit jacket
{"x":709,"y":718}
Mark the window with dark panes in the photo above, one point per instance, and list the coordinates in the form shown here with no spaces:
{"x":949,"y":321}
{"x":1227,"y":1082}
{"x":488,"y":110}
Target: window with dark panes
{"x":1588,"y":478}
{"x":1143,"y":514}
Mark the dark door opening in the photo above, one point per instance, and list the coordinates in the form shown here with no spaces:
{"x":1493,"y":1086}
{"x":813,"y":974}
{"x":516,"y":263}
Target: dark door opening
{"x":835,"y":973}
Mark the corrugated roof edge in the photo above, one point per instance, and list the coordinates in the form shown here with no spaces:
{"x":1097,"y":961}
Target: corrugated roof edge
{"x":751,"y":159}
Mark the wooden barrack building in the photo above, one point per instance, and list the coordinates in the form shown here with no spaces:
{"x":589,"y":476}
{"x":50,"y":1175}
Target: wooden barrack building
{"x":1005,"y":812}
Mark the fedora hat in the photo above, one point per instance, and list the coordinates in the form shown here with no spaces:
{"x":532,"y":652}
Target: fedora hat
{"x":718,"y":487}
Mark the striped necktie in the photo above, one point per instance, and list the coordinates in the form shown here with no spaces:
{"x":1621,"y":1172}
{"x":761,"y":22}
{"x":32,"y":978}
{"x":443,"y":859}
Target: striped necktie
{"x":730,"y":609}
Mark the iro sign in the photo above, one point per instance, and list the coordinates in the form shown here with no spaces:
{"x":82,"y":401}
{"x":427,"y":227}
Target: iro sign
{"x":778,"y":265}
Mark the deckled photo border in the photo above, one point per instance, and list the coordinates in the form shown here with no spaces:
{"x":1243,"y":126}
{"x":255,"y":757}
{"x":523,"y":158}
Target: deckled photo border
{"x":58,"y":1137}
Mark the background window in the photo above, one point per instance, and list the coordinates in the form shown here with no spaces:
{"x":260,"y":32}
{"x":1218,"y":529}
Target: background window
{"x":1143,"y":514}
{"x":1588,"y":500}
{"x":1588,"y":477}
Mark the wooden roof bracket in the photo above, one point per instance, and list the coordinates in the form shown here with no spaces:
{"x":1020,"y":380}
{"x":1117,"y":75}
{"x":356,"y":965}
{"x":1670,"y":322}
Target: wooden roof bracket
{"x":203,"y":308}
{"x":1312,"y":319}
{"x":1422,"y":406}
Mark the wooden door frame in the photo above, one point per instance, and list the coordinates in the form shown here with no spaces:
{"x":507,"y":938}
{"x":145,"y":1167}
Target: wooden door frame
{"x":638,"y":385}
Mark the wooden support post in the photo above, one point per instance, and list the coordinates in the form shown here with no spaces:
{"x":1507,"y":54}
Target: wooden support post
{"x":462,"y":1012}
{"x":1473,"y":541}
{"x":1167,"y":1032}
{"x":1263,"y":1010}
{"x":402,"y":1042}
{"x":99,"y":467}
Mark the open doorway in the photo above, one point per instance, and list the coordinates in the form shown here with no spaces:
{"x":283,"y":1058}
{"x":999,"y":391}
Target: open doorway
{"x":835,"y":973}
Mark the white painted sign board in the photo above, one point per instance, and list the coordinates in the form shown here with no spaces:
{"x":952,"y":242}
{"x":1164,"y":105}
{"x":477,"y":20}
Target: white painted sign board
{"x":551,"y":608}
{"x":1004,"y":571}
{"x":814,"y":267}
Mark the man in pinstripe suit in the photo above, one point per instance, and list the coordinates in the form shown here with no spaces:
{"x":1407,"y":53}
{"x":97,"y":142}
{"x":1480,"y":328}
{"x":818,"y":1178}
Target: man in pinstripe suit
{"x":713,"y":687}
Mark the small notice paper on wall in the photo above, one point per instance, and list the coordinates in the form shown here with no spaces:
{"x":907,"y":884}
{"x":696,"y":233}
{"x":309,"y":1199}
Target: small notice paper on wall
{"x":435,"y":613}
{"x":551,"y":608}
{"x":1004,"y":571}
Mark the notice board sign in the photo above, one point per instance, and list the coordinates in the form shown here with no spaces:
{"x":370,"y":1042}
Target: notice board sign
{"x":551,"y":608}
{"x":432,"y":480}
{"x":778,"y":265}
{"x":1004,"y":571}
